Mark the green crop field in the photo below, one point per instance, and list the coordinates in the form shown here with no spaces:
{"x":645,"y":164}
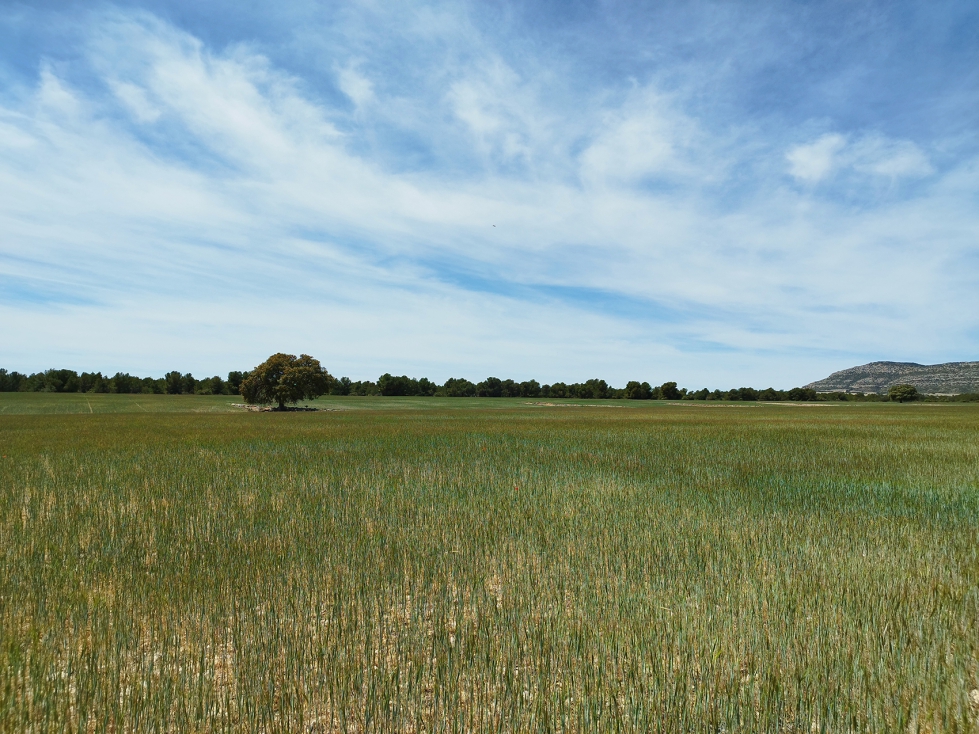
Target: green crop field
{"x":171,"y":564}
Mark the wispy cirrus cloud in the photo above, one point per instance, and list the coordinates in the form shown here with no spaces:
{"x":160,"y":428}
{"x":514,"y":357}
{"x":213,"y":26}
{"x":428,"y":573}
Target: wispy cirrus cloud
{"x":204,"y":204}
{"x":872,"y":155}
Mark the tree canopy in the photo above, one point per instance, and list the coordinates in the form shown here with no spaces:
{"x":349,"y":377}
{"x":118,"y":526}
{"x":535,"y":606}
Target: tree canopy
{"x":669,"y":391}
{"x":903,"y":393}
{"x":285,"y":378}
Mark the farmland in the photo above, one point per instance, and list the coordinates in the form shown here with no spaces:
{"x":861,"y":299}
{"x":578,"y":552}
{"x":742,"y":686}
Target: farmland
{"x":170,"y":564}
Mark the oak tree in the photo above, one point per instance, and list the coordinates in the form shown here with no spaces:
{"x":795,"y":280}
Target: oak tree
{"x":903,"y":393}
{"x":285,"y":378}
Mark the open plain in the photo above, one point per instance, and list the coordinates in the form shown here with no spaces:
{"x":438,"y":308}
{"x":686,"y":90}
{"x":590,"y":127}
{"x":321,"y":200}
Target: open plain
{"x":170,"y":564}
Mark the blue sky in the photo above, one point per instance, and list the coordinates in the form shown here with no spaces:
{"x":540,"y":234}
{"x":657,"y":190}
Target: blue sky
{"x":716,"y":193}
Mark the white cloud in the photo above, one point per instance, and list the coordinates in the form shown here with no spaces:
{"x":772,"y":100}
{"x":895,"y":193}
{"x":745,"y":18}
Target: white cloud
{"x":890,"y":158}
{"x":54,"y":97}
{"x":12,"y":136}
{"x":873,"y":155}
{"x":136,"y":100}
{"x":257,"y":208}
{"x":815,"y":161}
{"x":356,"y":86}
{"x":647,"y":137}
{"x":498,"y":110}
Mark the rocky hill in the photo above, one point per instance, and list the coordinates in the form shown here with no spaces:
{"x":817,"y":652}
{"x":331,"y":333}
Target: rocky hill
{"x":951,"y":378}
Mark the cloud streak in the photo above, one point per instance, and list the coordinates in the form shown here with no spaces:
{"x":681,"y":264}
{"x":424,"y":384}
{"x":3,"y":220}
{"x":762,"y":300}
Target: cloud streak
{"x":872,"y":155}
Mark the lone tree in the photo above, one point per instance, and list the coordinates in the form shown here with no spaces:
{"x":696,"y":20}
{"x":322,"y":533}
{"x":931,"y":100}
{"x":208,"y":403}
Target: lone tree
{"x":283,"y":378}
{"x":903,"y":393}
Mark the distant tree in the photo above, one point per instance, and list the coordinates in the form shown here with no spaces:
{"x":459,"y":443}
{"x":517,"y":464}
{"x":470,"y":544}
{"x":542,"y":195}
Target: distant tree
{"x":403,"y":385}
{"x":510,"y":389}
{"x":595,"y":389}
{"x":60,"y":381}
{"x":668,"y":391}
{"x":234,"y":382}
{"x":903,"y":393}
{"x":558,"y":390}
{"x":93,"y":382}
{"x":491,"y":387}
{"x":87,"y":381}
{"x":174,"y":381}
{"x":284,"y":378}
{"x":212,"y":386}
{"x":802,"y":393}
{"x":635,"y":390}
{"x":459,"y":387}
{"x":530,"y":389}
{"x":153,"y":386}
{"x":122,"y":383}
{"x":341,"y":386}
{"x":54,"y":381}
{"x":188,"y":384}
{"x":36,"y":382}
{"x":12,"y":381}
{"x":365,"y":387}
{"x":426,"y":387}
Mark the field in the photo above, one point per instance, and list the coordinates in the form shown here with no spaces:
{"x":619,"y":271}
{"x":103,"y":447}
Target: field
{"x":168,"y":564}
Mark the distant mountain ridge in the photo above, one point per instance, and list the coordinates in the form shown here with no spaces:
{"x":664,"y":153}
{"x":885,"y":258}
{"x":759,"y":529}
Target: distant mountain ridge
{"x":951,"y":378}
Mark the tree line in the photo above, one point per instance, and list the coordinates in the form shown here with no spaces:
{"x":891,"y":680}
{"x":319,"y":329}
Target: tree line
{"x":594,"y":389}
{"x":172,"y":383}
{"x":177,"y":383}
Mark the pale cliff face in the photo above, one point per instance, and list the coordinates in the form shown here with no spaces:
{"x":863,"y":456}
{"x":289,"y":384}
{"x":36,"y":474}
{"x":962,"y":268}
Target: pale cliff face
{"x":951,"y":378}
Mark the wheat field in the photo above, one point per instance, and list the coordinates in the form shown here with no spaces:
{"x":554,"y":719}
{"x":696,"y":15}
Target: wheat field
{"x":488,"y":566}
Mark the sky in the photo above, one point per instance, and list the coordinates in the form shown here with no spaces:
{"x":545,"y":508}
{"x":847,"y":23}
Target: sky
{"x":716,"y":193}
